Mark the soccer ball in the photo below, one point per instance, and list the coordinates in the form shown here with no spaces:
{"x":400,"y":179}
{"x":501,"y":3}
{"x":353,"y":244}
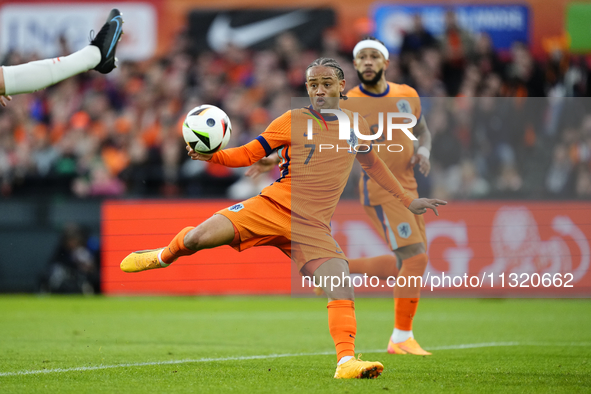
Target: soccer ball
{"x":207,"y":129}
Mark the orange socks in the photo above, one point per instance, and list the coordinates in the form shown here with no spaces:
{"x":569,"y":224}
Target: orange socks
{"x":405,"y":309}
{"x":177,"y":248}
{"x":342,"y":326}
{"x":406,"y":299}
{"x":380,"y":266}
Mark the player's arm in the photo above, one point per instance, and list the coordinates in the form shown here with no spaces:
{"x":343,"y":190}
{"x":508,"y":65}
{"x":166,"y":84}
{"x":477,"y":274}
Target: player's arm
{"x":266,"y":164}
{"x":242,"y":156}
{"x":421,"y":131}
{"x":278,"y":133}
{"x":379,"y":172}
{"x":4,"y":98}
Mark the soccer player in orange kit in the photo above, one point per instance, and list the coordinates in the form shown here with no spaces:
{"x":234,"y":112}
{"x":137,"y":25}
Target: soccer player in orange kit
{"x":296,"y":219}
{"x":403,"y":231}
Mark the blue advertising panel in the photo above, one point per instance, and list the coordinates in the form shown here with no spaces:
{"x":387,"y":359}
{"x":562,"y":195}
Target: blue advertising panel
{"x":504,"y":23}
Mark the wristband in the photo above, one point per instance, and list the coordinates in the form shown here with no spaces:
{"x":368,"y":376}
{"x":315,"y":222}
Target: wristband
{"x":423,"y":151}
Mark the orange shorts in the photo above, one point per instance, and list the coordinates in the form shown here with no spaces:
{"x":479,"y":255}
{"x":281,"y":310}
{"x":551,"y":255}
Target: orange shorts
{"x":260,"y":221}
{"x":396,"y":224}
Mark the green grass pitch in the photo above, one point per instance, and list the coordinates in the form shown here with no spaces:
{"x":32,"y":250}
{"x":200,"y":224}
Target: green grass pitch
{"x":226,"y":344}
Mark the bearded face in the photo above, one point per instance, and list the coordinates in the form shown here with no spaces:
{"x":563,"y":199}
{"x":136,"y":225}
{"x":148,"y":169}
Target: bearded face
{"x":370,"y":65}
{"x":372,"y":80}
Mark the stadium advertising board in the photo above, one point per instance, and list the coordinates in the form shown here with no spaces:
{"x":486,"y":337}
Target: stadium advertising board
{"x":36,"y":28}
{"x":256,"y":28}
{"x":476,"y":249}
{"x":132,"y":225}
{"x":578,"y":26}
{"x":504,"y":23}
{"x":545,"y":18}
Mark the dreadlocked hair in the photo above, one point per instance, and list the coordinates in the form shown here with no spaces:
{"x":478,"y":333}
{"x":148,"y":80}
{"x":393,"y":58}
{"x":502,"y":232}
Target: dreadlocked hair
{"x":329,"y":62}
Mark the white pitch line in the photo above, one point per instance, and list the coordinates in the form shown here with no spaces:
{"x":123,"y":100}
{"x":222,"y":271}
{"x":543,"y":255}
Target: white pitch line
{"x":269,"y":356}
{"x":168,"y":362}
{"x":474,"y":345}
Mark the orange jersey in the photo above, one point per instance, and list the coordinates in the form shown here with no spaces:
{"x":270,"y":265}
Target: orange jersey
{"x":396,"y":98}
{"x":313,"y":177}
{"x":314,"y":171}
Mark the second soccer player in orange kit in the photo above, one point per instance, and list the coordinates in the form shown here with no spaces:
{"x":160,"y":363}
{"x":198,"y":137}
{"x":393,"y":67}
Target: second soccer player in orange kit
{"x":403,"y":231}
{"x":293,"y":214}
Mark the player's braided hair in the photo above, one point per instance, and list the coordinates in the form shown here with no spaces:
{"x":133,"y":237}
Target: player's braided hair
{"x":329,"y":62}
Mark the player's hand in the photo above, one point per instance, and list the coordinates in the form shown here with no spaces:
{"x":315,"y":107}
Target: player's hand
{"x":420,"y":205}
{"x":196,"y":155}
{"x":266,"y":164}
{"x":4,"y":100}
{"x":424,"y":163}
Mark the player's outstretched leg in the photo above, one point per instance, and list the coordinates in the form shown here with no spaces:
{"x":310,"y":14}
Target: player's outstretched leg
{"x":343,"y":324}
{"x":99,"y":55}
{"x":106,"y":41}
{"x":215,"y":231}
{"x":406,"y":301}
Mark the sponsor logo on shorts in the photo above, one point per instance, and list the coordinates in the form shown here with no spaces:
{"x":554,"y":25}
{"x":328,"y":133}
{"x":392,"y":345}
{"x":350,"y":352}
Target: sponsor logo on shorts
{"x":404,"y":230}
{"x":236,"y":207}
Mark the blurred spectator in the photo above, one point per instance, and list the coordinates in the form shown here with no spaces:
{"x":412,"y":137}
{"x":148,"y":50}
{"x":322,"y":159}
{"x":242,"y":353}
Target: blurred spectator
{"x":457,"y":46}
{"x":425,"y":81}
{"x":73,"y":268}
{"x":485,"y":57}
{"x":560,"y":171}
{"x":414,"y":41}
{"x":509,"y":181}
{"x":524,"y":75}
{"x":583,"y":186}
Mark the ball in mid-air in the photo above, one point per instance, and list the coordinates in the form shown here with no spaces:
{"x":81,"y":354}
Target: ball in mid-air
{"x":207,"y":129}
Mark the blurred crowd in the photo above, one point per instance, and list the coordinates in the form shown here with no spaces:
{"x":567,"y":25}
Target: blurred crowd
{"x":119,"y":135}
{"x":509,"y":147}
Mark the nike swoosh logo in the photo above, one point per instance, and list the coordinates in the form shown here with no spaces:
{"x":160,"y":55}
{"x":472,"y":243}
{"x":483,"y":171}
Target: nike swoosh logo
{"x":116,"y":19}
{"x":221,"y":34}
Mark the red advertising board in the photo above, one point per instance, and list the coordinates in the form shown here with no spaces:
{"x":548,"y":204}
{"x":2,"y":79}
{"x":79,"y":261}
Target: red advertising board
{"x":493,"y":249}
{"x":527,"y":249}
{"x":136,"y":225}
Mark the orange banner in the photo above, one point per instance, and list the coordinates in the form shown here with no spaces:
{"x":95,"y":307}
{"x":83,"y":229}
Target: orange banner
{"x":528,"y":249}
